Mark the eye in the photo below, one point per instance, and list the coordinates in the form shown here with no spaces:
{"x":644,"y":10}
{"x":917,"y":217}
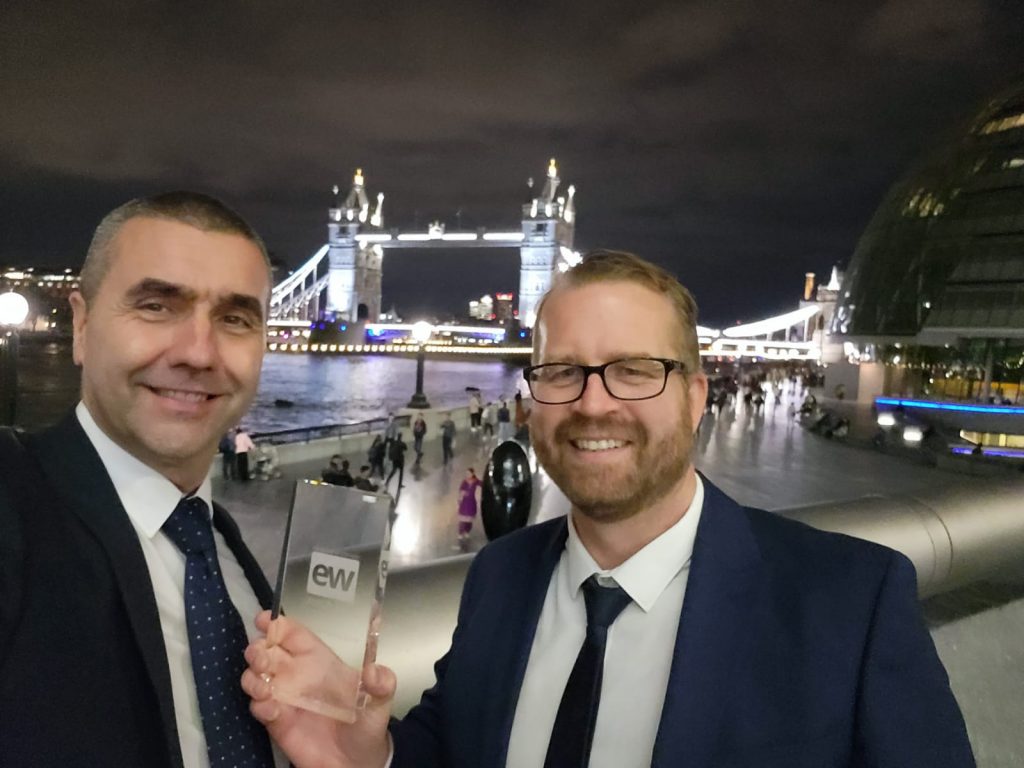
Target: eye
{"x":637,"y":369}
{"x":152,"y":306}
{"x":238,"y":321}
{"x":556,"y":374}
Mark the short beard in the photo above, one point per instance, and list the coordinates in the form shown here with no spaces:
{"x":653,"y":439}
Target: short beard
{"x":660,"y":467}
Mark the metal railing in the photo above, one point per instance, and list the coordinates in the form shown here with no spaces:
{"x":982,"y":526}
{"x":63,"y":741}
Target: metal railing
{"x":308,"y":434}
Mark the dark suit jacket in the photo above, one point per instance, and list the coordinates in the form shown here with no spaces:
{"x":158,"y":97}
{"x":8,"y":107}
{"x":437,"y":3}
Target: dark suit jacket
{"x":795,"y":648}
{"x":84,"y":679}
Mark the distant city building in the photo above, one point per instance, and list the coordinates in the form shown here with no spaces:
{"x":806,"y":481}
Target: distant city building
{"x":824,"y":296}
{"x":499,"y":308}
{"x":482,"y":308}
{"x":504,"y":308}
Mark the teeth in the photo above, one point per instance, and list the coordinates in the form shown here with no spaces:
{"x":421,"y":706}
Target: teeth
{"x":177,"y":394}
{"x":598,"y":445}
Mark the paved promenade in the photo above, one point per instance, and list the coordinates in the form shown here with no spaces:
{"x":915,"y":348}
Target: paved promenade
{"x":763,"y":459}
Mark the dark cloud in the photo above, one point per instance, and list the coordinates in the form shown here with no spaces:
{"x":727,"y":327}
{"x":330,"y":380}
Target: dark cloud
{"x":739,"y":143}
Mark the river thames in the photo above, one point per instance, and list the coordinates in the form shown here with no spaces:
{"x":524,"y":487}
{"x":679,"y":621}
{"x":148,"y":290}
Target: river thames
{"x":324,"y":389}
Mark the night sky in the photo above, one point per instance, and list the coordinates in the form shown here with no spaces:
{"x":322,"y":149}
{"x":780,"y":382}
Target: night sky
{"x":737,"y":143}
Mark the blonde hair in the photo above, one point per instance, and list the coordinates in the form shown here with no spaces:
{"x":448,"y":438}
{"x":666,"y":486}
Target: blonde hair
{"x":619,"y":266}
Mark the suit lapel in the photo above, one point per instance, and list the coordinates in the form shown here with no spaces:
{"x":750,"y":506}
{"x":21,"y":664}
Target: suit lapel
{"x":78,"y":478}
{"x":719,"y":593}
{"x":524,"y":613}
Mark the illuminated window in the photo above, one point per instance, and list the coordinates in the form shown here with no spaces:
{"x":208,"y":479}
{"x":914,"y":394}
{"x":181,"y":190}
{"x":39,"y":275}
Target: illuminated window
{"x":1003,"y":124}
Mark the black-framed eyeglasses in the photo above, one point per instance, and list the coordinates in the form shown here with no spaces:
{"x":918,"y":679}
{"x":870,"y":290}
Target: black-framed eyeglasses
{"x":632,"y":378}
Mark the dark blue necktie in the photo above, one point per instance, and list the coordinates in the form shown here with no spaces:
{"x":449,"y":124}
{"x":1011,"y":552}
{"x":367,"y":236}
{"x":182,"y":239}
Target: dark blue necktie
{"x":574,"y":724}
{"x":216,"y":641}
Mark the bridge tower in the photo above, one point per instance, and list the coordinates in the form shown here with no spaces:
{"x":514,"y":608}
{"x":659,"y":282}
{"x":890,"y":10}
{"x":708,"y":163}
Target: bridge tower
{"x":353,"y":286}
{"x":549,"y":224}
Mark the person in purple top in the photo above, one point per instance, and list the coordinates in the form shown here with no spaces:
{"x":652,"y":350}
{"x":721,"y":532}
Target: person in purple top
{"x":467,"y":504}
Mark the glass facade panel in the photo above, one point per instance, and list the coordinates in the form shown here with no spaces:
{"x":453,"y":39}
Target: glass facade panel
{"x":949,"y":234}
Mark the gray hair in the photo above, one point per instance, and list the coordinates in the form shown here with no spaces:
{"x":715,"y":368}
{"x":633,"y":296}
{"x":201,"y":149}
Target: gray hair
{"x":192,"y":208}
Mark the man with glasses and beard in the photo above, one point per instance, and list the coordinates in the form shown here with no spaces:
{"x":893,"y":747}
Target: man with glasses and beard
{"x":660,"y":623}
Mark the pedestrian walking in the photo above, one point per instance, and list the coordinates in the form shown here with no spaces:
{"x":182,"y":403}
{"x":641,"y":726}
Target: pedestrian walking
{"x":243,"y":444}
{"x":488,"y":417}
{"x":467,"y":505}
{"x":419,"y":429}
{"x":447,"y":438}
{"x":504,"y":422}
{"x":397,"y":455}
{"x":227,"y":455}
{"x":522,"y":422}
{"x":390,"y":431}
{"x":475,"y":408}
{"x":376,"y":456}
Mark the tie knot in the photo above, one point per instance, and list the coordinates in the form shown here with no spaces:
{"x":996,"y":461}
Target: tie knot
{"x":604,"y":604}
{"x":189,"y":527}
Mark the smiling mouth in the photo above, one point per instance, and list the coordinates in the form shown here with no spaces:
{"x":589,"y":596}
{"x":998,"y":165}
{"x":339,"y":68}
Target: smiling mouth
{"x":597,"y":445}
{"x":182,"y":395}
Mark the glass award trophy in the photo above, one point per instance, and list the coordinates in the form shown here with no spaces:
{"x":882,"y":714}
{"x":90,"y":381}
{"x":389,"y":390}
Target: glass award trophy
{"x":331,"y":579}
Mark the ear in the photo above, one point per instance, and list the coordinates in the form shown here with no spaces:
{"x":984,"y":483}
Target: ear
{"x":697,"y":390}
{"x":79,"y":316}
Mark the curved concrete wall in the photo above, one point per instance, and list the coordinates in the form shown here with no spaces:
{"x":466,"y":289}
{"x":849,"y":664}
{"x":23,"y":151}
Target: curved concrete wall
{"x":953,"y":538}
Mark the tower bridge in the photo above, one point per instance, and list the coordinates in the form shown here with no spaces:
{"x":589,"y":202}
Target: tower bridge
{"x":343,"y":278}
{"x":341,"y":282}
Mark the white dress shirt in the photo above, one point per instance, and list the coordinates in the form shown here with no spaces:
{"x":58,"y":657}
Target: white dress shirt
{"x":638,"y":656}
{"x":149,"y":498}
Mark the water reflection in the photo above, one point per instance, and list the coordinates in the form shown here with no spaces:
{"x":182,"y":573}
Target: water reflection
{"x":324,"y":390}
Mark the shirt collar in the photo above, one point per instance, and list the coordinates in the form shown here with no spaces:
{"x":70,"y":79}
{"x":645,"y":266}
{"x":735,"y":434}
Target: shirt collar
{"x":148,"y":497}
{"x":645,"y":575}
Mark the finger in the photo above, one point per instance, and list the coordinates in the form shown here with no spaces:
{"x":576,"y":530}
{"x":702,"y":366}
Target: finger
{"x":263,"y":621}
{"x":379,"y":682}
{"x":257,"y":686}
{"x":257,"y":656}
{"x":266,"y":712}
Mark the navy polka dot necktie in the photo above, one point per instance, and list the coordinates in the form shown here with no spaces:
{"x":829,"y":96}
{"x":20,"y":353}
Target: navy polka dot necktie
{"x":573,"y":732}
{"x":216,"y":641}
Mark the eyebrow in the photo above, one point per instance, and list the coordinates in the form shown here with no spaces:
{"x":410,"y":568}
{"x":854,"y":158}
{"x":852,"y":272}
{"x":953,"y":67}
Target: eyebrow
{"x":243,"y":302}
{"x":577,"y":360}
{"x":151,"y":286}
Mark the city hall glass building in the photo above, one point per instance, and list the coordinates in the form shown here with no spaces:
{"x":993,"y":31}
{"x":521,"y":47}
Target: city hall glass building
{"x":942,"y":261}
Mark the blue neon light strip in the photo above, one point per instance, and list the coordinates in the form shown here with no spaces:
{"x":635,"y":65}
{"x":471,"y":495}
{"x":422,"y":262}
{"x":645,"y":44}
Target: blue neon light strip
{"x":1005,"y":410}
{"x":1008,"y":453}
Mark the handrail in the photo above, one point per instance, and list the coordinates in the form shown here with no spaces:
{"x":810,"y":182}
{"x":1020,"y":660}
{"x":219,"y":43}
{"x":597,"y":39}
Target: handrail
{"x":308,"y":434}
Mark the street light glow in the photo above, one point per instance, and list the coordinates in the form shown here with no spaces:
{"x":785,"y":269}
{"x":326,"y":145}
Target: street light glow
{"x":422,"y":331}
{"x":13,"y":308}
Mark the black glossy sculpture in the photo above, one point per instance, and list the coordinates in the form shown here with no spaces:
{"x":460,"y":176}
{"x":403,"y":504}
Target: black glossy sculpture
{"x":507,"y":490}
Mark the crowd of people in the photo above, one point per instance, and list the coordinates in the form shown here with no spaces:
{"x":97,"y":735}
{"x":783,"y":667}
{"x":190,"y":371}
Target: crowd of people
{"x":237,"y":446}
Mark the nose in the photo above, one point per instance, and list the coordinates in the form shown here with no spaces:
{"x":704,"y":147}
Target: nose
{"x":195,"y":344}
{"x":595,"y":400}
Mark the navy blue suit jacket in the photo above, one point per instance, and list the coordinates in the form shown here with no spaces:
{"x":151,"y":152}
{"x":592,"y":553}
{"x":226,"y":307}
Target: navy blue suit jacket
{"x":795,"y":648}
{"x":84,"y":679}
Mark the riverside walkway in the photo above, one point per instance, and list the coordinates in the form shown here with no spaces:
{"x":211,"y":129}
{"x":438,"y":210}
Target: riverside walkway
{"x":763,"y":459}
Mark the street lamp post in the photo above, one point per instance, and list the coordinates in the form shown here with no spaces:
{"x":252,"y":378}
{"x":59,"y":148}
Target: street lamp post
{"x":13,"y":311}
{"x":421,"y":333}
